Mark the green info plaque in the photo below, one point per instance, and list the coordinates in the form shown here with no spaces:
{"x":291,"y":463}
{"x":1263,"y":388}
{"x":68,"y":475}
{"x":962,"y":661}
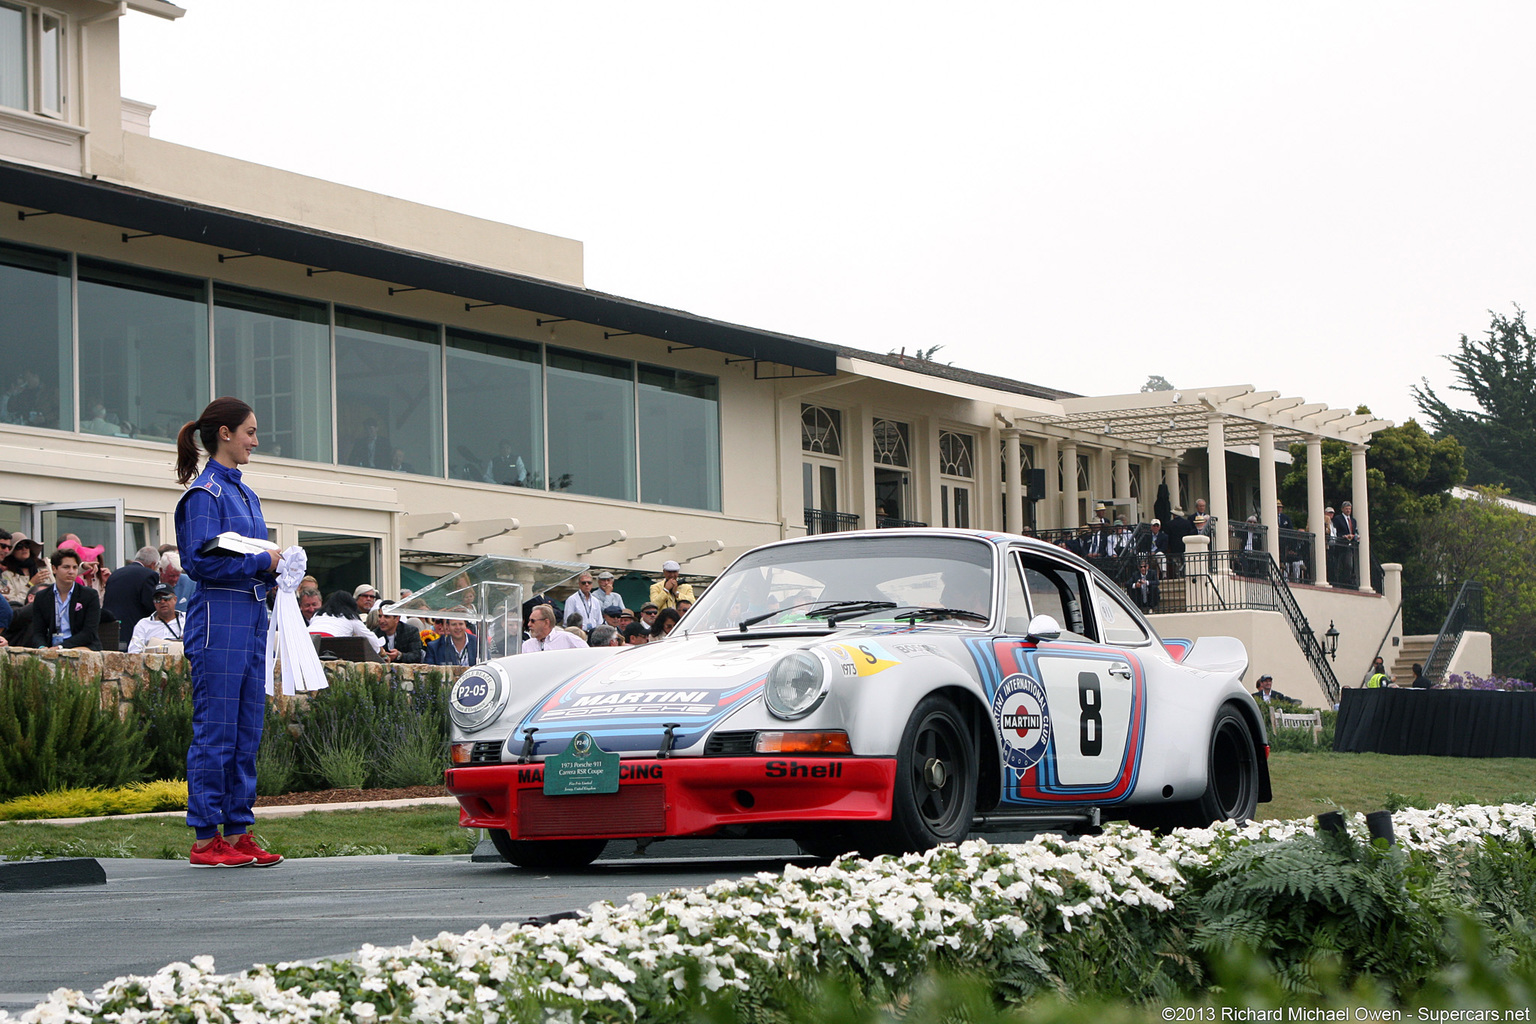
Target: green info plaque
{"x":584,"y":767}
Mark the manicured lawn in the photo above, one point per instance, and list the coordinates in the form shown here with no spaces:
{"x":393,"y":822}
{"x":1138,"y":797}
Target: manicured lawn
{"x":1304,"y":785}
{"x":422,"y":830}
{"x":1308,"y":784}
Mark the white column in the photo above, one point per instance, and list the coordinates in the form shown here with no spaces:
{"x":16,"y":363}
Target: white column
{"x":1315,"y":522}
{"x":1013,"y":486}
{"x":1171,"y":478}
{"x":1269,"y":515}
{"x":1122,"y":461}
{"x":1069,"y":492}
{"x":1216,"y":473}
{"x":1362,"y":512}
{"x":1050,"y":508}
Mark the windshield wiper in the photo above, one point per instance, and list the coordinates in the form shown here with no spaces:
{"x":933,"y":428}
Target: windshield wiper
{"x":928,"y":613}
{"x":831,"y":608}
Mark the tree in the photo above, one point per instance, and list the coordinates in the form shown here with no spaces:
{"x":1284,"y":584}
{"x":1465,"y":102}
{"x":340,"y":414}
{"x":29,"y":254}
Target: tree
{"x":1156,"y":382}
{"x":1499,"y":372}
{"x":1482,"y":539}
{"x":1408,"y":477}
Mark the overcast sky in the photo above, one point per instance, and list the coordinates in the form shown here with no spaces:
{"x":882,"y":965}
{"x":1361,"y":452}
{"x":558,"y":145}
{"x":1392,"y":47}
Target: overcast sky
{"x":1316,"y":198}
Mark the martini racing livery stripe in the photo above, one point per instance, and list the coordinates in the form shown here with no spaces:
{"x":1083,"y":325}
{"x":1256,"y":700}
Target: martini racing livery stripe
{"x":628,"y":719}
{"x":1073,"y":750}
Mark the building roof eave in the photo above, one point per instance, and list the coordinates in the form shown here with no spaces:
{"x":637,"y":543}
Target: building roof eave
{"x":140,"y":211}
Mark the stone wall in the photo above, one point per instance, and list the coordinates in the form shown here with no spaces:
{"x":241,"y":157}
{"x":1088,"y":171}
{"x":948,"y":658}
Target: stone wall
{"x":121,"y":674}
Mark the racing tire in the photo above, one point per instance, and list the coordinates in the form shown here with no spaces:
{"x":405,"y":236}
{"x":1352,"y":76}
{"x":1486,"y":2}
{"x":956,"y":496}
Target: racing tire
{"x":547,"y":854}
{"x":934,"y":800}
{"x":1232,"y":774}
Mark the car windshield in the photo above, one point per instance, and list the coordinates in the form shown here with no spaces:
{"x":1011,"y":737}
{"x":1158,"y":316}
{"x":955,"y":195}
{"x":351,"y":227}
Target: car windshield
{"x":868,"y":579}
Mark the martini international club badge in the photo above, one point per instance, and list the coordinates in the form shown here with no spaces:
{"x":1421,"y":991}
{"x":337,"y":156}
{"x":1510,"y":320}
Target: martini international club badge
{"x":1023,"y":721}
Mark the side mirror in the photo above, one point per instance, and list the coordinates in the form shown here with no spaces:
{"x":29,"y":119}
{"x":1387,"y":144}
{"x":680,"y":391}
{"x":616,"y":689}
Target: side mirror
{"x":1043,"y":627}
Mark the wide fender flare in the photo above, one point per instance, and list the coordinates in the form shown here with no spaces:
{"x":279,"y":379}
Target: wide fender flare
{"x":878,"y":707}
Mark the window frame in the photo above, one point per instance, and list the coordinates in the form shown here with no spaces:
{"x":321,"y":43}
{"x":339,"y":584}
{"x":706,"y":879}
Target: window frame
{"x":36,"y":23}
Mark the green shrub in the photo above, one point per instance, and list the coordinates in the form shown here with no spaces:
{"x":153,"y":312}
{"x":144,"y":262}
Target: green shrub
{"x":54,"y":733}
{"x":378,"y":732}
{"x":276,"y":760}
{"x":337,"y":752}
{"x":136,"y":798}
{"x":163,"y":706}
{"x":1300,"y":740}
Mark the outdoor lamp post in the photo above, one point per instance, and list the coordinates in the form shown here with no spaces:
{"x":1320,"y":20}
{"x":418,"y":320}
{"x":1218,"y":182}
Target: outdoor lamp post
{"x":1331,"y":641}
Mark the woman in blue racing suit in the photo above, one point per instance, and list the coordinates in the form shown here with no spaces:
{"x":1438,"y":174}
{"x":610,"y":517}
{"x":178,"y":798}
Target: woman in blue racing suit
{"x":226,"y":634}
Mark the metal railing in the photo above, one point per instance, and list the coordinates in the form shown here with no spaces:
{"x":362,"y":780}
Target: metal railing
{"x":1466,"y":613}
{"x":1227,"y":580}
{"x":892,"y":523}
{"x":1425,"y":606}
{"x":1298,"y":555}
{"x":820,"y":520}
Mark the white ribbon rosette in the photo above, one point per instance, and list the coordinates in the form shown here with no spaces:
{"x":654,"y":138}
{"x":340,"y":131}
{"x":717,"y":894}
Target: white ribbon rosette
{"x":288,"y":638}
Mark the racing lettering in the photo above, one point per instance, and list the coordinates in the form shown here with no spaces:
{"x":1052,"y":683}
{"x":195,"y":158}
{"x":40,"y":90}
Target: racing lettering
{"x":641,"y":697}
{"x":868,"y":654}
{"x":535,"y":773}
{"x":1021,"y":721}
{"x":796,"y":770}
{"x":1091,"y":725}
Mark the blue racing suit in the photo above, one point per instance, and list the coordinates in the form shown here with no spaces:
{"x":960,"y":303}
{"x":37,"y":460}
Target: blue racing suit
{"x":226,"y":642}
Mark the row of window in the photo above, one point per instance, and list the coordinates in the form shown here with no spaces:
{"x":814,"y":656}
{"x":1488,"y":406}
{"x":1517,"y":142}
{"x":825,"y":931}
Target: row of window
{"x":31,"y":60}
{"x":331,"y":384}
{"x":821,"y":433}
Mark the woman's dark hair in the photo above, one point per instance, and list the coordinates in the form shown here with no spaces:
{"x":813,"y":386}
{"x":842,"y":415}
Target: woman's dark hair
{"x":341,"y":604}
{"x":221,"y":412}
{"x":29,"y":562}
{"x":665,"y":618}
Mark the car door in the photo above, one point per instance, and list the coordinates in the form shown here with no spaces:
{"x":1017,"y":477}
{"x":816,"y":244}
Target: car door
{"x":1069,"y":711}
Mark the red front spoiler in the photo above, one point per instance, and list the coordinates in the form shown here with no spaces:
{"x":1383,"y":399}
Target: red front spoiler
{"x":680,"y":796}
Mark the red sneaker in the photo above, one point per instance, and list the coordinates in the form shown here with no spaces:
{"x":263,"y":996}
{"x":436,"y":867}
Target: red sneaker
{"x":246,"y":845}
{"x":219,"y":854}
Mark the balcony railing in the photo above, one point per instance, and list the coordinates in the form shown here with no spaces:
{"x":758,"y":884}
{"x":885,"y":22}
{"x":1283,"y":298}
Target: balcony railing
{"x":820,"y":520}
{"x":892,"y":523}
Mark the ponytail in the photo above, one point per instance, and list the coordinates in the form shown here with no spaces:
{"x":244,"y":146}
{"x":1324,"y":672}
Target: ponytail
{"x":221,"y":412}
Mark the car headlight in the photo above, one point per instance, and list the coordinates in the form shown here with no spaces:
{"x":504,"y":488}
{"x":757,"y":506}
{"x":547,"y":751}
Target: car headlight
{"x":796,"y":685}
{"x":478,"y":697}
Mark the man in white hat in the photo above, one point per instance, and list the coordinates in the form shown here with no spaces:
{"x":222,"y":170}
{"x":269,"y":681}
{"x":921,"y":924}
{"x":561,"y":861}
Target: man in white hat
{"x":668,"y":591}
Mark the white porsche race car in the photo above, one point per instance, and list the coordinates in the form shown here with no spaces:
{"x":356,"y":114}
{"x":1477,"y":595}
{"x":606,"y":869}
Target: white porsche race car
{"x":879,"y":691}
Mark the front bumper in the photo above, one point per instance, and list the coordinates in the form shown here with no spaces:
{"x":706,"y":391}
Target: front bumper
{"x":679,"y":796}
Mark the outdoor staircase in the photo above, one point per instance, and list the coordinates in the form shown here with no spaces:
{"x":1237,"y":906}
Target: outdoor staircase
{"x":1415,"y":650}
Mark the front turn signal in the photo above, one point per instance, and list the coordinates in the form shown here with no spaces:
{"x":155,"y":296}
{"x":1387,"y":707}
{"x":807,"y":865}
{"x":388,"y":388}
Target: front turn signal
{"x":803,"y":743}
{"x":458,"y":753}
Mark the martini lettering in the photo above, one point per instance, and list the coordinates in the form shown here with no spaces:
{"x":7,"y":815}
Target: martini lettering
{"x":1021,"y":721}
{"x":641,"y":697}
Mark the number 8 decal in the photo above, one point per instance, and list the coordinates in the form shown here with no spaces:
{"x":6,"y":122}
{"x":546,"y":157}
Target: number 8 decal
{"x":1091,"y":725}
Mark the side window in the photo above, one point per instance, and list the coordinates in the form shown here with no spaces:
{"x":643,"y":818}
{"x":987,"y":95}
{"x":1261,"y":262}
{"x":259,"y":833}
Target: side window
{"x":1061,"y":593}
{"x":1118,"y":624}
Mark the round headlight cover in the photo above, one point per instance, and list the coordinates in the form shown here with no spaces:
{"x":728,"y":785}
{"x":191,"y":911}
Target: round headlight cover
{"x":796,"y":685}
{"x":478,"y":697}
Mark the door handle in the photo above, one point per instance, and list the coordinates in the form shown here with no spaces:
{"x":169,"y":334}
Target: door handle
{"x":1120,"y":670}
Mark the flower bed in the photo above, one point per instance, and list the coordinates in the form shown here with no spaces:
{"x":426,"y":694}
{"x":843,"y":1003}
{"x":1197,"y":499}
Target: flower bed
{"x":1127,"y":912}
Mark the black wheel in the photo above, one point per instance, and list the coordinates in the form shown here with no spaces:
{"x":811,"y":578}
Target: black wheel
{"x":1232,"y":778}
{"x":935,"y":797}
{"x":547,"y":854}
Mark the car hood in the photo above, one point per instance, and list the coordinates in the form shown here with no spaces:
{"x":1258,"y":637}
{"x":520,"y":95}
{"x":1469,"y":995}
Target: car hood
{"x":626,"y":701}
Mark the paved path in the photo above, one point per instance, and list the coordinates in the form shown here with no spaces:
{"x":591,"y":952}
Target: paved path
{"x":154,"y":912}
